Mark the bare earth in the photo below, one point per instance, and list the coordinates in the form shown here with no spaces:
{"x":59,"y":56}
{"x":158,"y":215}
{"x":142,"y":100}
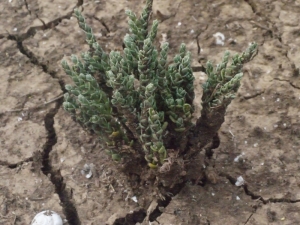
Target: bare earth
{"x":43,"y":150}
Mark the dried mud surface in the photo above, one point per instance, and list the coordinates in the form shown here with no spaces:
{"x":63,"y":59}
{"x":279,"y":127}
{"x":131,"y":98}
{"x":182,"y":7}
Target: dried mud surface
{"x":43,"y":150}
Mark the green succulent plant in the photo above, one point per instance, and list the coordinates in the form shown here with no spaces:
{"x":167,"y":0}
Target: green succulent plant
{"x":136,"y":98}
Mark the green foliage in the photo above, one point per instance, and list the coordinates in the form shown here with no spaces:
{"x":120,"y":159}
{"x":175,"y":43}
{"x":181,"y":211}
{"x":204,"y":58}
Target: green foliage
{"x":137,"y":96}
{"x":224,"y":81}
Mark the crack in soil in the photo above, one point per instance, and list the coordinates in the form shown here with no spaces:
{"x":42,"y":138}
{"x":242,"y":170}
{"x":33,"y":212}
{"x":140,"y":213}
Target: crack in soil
{"x":252,"y":5}
{"x":198,"y":41}
{"x":103,"y":23}
{"x":164,"y":203}
{"x":33,"y":30}
{"x":248,"y":219}
{"x":34,"y":60}
{"x":131,"y":218}
{"x":290,"y":83}
{"x":15,"y":165}
{"x":141,"y":214}
{"x":254,"y":196}
{"x":252,"y":96}
{"x":27,"y":7}
{"x":270,"y":200}
{"x":55,"y":175}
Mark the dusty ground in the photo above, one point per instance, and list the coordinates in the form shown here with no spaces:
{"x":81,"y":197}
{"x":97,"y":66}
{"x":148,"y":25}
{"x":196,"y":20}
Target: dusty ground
{"x":43,"y":150}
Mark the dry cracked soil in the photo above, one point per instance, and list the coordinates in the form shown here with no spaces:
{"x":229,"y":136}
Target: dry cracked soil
{"x":43,"y":150}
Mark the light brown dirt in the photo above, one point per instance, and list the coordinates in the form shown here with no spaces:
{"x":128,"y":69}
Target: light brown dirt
{"x":43,"y":150}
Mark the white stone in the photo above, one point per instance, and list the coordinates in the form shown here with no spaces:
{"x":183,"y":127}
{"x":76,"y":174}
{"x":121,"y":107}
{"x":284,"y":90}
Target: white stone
{"x":239,"y":181}
{"x":220,"y":38}
{"x":134,"y":198}
{"x":47,"y":217}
